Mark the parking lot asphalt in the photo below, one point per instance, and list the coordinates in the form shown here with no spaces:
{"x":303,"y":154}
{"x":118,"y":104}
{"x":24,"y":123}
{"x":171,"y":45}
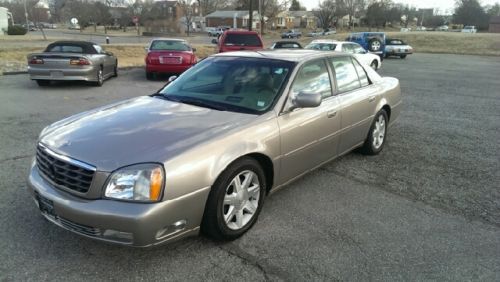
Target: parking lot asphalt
{"x":426,"y":208}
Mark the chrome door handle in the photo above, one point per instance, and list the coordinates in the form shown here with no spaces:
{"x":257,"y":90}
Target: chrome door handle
{"x":371,"y":98}
{"x":331,"y":114}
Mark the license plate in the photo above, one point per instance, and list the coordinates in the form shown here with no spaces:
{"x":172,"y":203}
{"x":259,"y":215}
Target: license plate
{"x":45,"y":205}
{"x":56,"y":74}
{"x":170,"y":60}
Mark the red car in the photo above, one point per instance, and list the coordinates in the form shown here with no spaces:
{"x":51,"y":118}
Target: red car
{"x":236,"y":40}
{"x":166,"y":55}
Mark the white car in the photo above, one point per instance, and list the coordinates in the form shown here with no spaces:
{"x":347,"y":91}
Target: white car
{"x":442,"y":28}
{"x":469,"y":29}
{"x":359,"y":52}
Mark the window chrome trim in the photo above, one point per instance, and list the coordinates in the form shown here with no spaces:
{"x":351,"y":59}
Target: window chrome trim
{"x":67,"y":159}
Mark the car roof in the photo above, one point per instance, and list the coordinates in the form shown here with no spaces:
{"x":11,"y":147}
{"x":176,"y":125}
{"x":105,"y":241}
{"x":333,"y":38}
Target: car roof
{"x":166,"y":38}
{"x":240,"y":31}
{"x":297,"y":55}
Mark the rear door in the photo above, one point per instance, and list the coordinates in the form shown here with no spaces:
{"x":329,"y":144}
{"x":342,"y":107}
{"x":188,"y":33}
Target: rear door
{"x":356,"y":98}
{"x":309,"y":136}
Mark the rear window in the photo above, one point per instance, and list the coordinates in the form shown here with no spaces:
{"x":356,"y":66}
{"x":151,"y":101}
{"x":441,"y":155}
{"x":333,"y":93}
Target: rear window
{"x":242,"y":40}
{"x":171,"y":45}
{"x":65,"y":49}
{"x":394,"y":42}
{"x":321,"y":46}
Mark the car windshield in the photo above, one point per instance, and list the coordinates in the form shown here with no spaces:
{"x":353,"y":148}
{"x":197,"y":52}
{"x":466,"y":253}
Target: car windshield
{"x":246,"y":85}
{"x":321,"y":46}
{"x":170,"y":45}
{"x":242,"y":39}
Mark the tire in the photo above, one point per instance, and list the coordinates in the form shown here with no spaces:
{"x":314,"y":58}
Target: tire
{"x":374,"y":45}
{"x":375,"y":140}
{"x":223,"y":220}
{"x":402,"y":56}
{"x":42,"y":82}
{"x":149,"y":76}
{"x":374,"y":65}
{"x":115,"y":70}
{"x":100,"y":78}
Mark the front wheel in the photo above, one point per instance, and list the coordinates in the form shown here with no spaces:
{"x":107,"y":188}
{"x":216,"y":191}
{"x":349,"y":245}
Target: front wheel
{"x":377,"y":135}
{"x":115,"y":70}
{"x":235,"y":201}
{"x":402,"y":56}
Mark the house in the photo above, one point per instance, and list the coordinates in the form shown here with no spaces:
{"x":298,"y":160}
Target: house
{"x":344,"y":21}
{"x":235,"y":19}
{"x":296,"y":19}
{"x":494,"y":24}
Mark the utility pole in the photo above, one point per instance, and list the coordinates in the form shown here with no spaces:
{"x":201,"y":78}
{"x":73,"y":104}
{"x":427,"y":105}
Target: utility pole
{"x":261,"y":18}
{"x":250,"y":15}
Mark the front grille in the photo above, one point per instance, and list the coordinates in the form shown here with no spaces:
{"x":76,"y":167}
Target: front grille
{"x":64,"y":173}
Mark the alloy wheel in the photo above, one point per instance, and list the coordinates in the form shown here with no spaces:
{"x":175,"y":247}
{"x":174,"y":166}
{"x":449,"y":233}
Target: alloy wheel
{"x":241,"y":200}
{"x":379,"y":132}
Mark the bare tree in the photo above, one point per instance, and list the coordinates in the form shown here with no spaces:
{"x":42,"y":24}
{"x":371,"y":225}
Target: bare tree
{"x":353,"y":7}
{"x":270,"y":9}
{"x":187,"y":10}
{"x":329,"y":11}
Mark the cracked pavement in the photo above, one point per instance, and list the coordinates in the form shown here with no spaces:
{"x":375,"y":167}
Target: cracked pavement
{"x":426,"y":208}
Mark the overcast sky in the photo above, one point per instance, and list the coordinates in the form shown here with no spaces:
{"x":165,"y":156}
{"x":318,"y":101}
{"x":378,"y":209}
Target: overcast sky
{"x":444,"y":6}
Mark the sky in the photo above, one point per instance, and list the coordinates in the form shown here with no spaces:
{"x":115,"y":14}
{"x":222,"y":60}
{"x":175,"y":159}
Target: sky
{"x":444,"y":6}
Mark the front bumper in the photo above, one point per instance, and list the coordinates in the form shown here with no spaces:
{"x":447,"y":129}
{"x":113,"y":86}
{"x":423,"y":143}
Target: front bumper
{"x":127,"y":223}
{"x":85,"y":74}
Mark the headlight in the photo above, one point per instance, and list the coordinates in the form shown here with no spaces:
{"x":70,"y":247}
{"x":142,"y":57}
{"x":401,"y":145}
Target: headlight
{"x":142,"y":182}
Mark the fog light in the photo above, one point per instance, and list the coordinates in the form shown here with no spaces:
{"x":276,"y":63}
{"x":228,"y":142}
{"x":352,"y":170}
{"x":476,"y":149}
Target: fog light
{"x":120,"y":236}
{"x":171,"y":229}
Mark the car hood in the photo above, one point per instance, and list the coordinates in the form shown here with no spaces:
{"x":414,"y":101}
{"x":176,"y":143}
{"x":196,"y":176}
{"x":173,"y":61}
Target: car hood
{"x":144,"y":129}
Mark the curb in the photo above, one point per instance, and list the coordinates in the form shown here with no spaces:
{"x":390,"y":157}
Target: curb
{"x":25,"y":72}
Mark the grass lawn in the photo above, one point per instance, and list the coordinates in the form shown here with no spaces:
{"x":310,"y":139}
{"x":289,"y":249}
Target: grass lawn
{"x":13,"y":50}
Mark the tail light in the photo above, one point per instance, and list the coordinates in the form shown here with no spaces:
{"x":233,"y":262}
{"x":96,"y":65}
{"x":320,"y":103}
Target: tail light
{"x":36,"y":61}
{"x":79,"y":62}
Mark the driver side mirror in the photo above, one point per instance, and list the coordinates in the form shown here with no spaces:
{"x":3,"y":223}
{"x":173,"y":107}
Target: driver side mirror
{"x":172,"y":78}
{"x":214,"y":41}
{"x":306,"y":100}
{"x":109,"y":53}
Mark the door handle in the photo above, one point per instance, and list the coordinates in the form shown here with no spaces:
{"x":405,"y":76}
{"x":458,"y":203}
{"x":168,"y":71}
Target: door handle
{"x":331,"y":114}
{"x":371,"y":98}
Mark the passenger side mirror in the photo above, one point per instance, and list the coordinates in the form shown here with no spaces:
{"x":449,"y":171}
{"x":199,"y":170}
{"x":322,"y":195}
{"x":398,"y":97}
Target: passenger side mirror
{"x":172,"y":78}
{"x":109,"y":53}
{"x":214,"y":41}
{"x":306,"y":100}
{"x":146,"y":49}
{"x":194,"y":49}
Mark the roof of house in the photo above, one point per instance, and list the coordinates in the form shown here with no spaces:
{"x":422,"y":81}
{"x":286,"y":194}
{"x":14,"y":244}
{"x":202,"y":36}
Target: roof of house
{"x":297,"y":14}
{"x":495,"y":20}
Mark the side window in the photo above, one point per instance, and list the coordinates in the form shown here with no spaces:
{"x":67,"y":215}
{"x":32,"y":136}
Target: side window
{"x":345,"y":72}
{"x":363,"y":78}
{"x":347,"y":48}
{"x":358,"y":49}
{"x":313,"y":77}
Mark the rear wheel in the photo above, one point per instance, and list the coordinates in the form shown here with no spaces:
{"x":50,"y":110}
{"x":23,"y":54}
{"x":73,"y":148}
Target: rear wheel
{"x":149,"y":76}
{"x":41,"y":82}
{"x":375,"y":140}
{"x":235,"y":201}
{"x":115,"y":70}
{"x":402,"y":56}
{"x":374,"y":65}
{"x":100,"y":78}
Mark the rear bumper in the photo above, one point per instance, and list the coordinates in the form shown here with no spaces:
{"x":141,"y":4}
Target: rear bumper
{"x":397,"y":53}
{"x":167,"y":68}
{"x":126,"y":223}
{"x":86,"y":74}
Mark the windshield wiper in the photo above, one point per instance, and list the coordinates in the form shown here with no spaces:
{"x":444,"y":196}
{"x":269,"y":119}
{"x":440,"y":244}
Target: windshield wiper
{"x":194,"y":102}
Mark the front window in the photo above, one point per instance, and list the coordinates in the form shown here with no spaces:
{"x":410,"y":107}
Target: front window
{"x":236,"y":84}
{"x":169,"y":45}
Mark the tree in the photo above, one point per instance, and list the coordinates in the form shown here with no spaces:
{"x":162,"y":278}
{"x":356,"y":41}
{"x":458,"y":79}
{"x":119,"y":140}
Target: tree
{"x":354,"y":7}
{"x":494,"y":10}
{"x":376,"y":14}
{"x":329,"y":11}
{"x":187,"y":10}
{"x":296,"y":6}
{"x":470,"y":12}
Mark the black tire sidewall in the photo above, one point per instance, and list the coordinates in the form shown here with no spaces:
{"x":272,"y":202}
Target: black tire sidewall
{"x":214,"y":219}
